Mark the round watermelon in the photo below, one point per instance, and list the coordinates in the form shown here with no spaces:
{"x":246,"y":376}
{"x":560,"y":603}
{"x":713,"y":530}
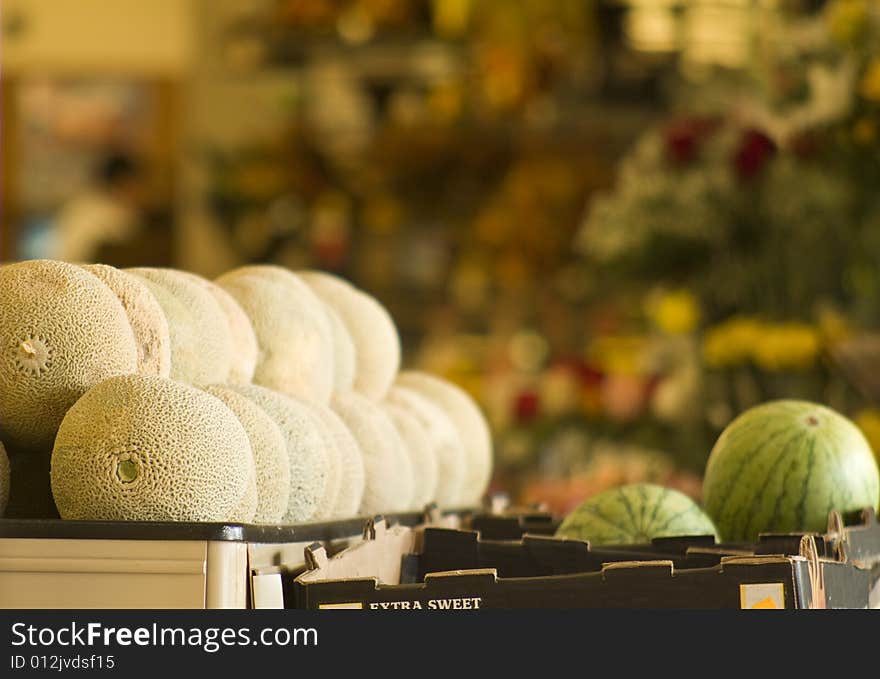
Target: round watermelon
{"x":783,"y":466}
{"x":635,"y":513}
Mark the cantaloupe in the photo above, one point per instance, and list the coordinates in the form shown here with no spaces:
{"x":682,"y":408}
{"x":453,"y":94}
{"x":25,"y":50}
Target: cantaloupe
{"x":246,"y":509}
{"x":146,"y":317}
{"x":328,"y":421}
{"x":306,"y":443}
{"x":352,"y":475}
{"x":4,"y":479}
{"x":269,"y":448}
{"x":421,"y":453}
{"x":376,"y":342}
{"x":344,"y":358}
{"x":181,"y":328}
{"x":292,"y":329}
{"x":470,"y":422}
{"x":406,"y":480}
{"x":148,"y":448}
{"x":448,"y":449}
{"x":241,"y":332}
{"x":388,"y":482}
{"x":201,"y":343}
{"x":61,"y":332}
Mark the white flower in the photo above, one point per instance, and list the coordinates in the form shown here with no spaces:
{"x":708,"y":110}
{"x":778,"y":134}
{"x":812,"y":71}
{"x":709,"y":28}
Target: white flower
{"x":831,"y":96}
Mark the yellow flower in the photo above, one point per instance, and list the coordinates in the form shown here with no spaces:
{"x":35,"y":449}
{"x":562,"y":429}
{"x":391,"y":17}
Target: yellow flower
{"x":847,"y":20}
{"x":451,"y":17}
{"x":868,"y":421}
{"x":559,"y":391}
{"x":675,"y":313}
{"x":869,"y":87}
{"x":730,"y":343}
{"x":620,"y":354}
{"x":787,"y":346}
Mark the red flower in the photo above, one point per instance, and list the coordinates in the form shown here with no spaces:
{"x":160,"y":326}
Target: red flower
{"x":684,"y":136}
{"x":586,"y":373}
{"x":526,"y":406}
{"x":590,"y":375}
{"x":753,"y":152}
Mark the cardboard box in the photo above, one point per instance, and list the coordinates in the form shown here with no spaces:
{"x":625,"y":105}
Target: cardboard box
{"x":403,"y":568}
{"x":271,"y":561}
{"x":852,"y":538}
{"x":499,"y":520}
{"x":513,"y":524}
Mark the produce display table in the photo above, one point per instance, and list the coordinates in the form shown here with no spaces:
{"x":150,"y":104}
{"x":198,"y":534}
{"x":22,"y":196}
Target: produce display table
{"x":50,"y":563}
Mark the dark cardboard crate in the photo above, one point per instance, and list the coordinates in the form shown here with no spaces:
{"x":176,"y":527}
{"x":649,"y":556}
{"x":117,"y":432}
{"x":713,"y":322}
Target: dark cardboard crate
{"x":400,"y":568}
{"x":499,"y":520}
{"x":513,"y":524}
{"x":852,"y":537}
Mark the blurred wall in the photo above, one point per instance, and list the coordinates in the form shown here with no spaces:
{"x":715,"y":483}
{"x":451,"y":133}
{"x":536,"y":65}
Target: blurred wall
{"x":149,"y":37}
{"x":145,"y":41}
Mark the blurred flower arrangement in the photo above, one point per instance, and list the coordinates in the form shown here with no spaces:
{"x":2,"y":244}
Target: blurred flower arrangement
{"x":765,"y":209}
{"x":766,"y":205}
{"x":745,"y":234}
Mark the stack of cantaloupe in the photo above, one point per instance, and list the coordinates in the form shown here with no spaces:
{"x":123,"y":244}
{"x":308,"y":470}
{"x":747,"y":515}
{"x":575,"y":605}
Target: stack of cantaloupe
{"x":265,"y":396}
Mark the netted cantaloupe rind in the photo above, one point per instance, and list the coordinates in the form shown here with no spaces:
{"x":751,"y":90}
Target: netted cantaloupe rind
{"x":269,"y":450}
{"x":470,"y":422}
{"x":351,"y":483}
{"x":145,"y":315}
{"x":293,"y":331}
{"x":375,"y":337}
{"x":446,"y":443}
{"x":420,"y":449}
{"x":61,"y":332}
{"x":344,"y":356}
{"x":147,"y":448}
{"x":305,"y":449}
{"x":241,"y":332}
{"x":405,"y":473}
{"x":388,"y":481}
{"x":327,"y":505}
{"x":201,"y":343}
{"x":247,"y":508}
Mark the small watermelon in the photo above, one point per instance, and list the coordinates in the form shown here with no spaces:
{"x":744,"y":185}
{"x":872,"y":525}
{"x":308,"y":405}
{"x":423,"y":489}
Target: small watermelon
{"x":783,"y":466}
{"x":635,"y":513}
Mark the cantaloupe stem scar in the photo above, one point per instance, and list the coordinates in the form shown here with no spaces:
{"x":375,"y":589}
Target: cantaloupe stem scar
{"x":28,"y":349}
{"x":127,"y":470}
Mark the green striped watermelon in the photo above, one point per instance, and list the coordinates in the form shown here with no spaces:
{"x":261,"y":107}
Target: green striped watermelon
{"x":783,"y":466}
{"x":633,"y":514}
